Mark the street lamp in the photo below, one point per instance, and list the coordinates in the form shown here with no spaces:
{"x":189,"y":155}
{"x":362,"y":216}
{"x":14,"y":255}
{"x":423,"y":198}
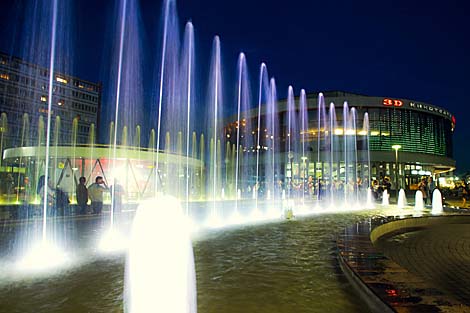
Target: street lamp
{"x":396,"y":148}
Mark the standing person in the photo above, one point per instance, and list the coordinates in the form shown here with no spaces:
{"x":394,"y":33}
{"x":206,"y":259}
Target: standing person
{"x":95,"y":193}
{"x":431,"y":187}
{"x":82,"y":196}
{"x":423,"y":187}
{"x":465,"y":194}
{"x":320,"y":189}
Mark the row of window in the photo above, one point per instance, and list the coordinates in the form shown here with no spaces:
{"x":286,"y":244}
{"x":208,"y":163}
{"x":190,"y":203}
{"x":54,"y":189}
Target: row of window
{"x":414,"y":131}
{"x":16,"y":89}
{"x":35,"y":70}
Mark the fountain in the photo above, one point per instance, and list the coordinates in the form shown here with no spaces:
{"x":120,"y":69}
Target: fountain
{"x":233,"y":176}
{"x":401,"y":202}
{"x":385,"y":198}
{"x":369,"y":203}
{"x":419,"y":202}
{"x":436,"y":202}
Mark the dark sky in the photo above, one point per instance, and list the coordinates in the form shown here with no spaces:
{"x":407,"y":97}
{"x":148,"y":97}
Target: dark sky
{"x":405,"y":49}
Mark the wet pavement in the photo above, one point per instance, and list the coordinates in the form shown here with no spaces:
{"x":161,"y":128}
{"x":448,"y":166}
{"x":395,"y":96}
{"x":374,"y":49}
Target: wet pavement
{"x":415,"y":265}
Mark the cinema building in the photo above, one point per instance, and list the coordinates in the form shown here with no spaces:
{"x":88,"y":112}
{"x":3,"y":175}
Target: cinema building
{"x":407,"y":139}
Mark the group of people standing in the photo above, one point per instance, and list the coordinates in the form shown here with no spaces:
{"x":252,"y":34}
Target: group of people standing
{"x":58,"y":200}
{"x":427,"y":187}
{"x":95,"y":192}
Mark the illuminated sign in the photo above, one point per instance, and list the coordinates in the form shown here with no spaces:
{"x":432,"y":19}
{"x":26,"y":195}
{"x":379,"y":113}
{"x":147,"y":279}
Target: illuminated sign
{"x":430,"y":108}
{"x":425,"y":107}
{"x":393,"y":102}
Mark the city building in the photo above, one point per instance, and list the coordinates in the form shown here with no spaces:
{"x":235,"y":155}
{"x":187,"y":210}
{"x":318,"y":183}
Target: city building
{"x":407,"y":139}
{"x":24,"y":102}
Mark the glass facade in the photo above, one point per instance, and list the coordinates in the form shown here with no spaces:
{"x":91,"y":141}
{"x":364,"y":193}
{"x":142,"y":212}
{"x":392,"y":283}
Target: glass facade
{"x":336,"y":149}
{"x":415,"y":131}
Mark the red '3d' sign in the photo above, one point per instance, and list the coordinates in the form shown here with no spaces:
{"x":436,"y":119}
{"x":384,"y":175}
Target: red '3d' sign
{"x":393,"y":102}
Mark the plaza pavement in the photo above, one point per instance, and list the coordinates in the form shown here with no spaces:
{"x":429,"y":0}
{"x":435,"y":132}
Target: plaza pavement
{"x":410,"y":264}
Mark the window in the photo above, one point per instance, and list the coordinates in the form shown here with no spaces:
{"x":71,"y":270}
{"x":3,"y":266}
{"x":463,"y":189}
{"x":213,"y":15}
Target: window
{"x":61,"y":80}
{"x":5,"y":76}
{"x":43,"y":98}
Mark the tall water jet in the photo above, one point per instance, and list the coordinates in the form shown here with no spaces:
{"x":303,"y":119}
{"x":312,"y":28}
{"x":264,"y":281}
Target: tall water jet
{"x":45,"y":254}
{"x":214,"y":123}
{"x":303,"y":166}
{"x":291,"y":128}
{"x":352,"y":133}
{"x":188,"y":73}
{"x":193,"y":174}
{"x":321,"y":127}
{"x":436,"y":202}
{"x":169,"y":264}
{"x":365,"y":131}
{"x":401,"y":202}
{"x":330,"y":134}
{"x":350,"y":153}
{"x":241,"y":96}
{"x":49,"y":117}
{"x":122,"y":31}
{"x":125,"y":81}
{"x":263,"y":90}
{"x":245,"y":134}
{"x":167,"y":71}
{"x":272,"y":169}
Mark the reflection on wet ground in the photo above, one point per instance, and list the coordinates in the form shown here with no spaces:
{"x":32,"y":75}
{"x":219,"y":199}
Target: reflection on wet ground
{"x":286,"y":266}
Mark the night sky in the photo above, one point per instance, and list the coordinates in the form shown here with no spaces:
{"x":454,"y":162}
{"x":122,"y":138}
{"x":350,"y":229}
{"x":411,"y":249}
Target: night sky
{"x":404,"y":49}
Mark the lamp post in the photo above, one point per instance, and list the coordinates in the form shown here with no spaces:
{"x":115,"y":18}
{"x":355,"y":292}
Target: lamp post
{"x":396,"y":148}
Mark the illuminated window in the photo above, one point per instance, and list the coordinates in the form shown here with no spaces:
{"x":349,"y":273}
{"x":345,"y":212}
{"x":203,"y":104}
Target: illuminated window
{"x":338,"y":131}
{"x":61,"y":80}
{"x":5,"y":76}
{"x":60,"y":103}
{"x":43,"y":98}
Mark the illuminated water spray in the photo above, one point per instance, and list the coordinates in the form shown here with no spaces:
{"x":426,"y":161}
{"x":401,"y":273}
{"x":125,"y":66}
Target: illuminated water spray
{"x":160,"y":277}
